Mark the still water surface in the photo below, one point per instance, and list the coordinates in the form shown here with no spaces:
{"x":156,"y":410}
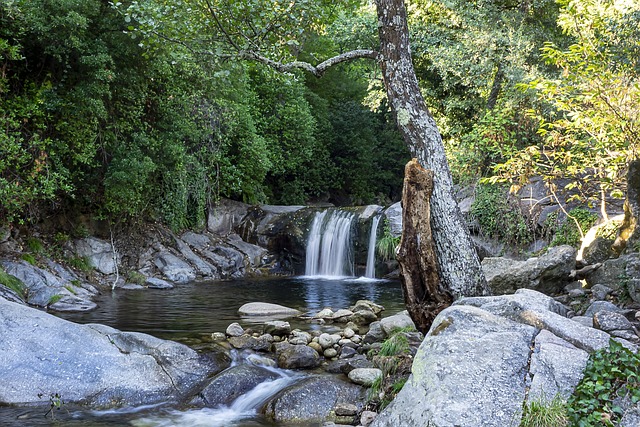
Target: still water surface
{"x":193,"y":311}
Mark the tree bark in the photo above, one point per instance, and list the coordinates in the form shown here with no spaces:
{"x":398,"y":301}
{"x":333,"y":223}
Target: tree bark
{"x":423,"y":294}
{"x":629,"y":234}
{"x":458,"y":263}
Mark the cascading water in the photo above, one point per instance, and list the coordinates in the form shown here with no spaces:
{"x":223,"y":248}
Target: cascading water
{"x":244,"y":408}
{"x":329,"y":251}
{"x":371,"y":251}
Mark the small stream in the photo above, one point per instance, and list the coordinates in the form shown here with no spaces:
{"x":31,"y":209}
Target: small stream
{"x":189,"y":313}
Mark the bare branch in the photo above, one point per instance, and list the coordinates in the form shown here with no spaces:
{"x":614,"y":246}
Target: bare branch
{"x":317,"y":70}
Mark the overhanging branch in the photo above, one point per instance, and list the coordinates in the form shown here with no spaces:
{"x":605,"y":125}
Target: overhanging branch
{"x":317,"y":70}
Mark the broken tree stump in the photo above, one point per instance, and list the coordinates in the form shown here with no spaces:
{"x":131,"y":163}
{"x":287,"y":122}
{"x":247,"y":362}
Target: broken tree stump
{"x":423,"y":294}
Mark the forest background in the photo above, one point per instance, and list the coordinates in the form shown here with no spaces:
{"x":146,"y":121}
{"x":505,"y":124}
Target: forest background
{"x":144,"y":109}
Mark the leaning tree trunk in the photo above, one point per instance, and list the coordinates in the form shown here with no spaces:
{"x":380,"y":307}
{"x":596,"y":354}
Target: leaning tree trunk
{"x":423,"y":294}
{"x":458,"y":262}
{"x":629,"y":234}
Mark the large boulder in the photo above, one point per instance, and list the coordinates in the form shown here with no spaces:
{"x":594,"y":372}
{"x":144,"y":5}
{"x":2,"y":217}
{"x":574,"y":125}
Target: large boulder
{"x":99,"y":253}
{"x":297,"y":357}
{"x":225,"y":215}
{"x":484,"y":357}
{"x":174,"y":268}
{"x":314,"y":400}
{"x":91,"y":364}
{"x":547,"y":273}
{"x":58,"y":289}
{"x":232,"y":383}
{"x":267,"y":310}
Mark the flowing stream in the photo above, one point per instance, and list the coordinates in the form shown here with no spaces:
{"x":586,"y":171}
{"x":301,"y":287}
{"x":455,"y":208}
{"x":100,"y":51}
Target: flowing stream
{"x":189,"y":313}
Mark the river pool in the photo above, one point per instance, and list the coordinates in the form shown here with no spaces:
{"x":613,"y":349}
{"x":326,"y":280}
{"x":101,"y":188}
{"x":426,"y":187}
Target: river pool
{"x":189,"y":313}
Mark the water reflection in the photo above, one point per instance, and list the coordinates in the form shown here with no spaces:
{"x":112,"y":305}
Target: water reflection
{"x":193,"y":309}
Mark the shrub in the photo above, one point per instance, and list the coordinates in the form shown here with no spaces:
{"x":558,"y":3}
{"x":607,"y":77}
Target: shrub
{"x":611,"y":377}
{"x":499,"y":216}
{"x":568,"y":233}
{"x":387,"y":243}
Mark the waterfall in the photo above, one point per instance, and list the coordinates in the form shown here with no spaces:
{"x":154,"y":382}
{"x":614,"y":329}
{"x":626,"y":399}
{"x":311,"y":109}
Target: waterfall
{"x":329,"y":251}
{"x":371,"y":252}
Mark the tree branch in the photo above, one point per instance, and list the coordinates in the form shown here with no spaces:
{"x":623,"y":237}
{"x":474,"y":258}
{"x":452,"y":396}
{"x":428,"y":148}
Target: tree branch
{"x":317,"y":70}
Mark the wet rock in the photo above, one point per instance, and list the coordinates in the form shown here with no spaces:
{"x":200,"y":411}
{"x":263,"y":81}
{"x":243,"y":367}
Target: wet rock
{"x":317,"y":347}
{"x":300,"y":338}
{"x":232,"y":383}
{"x":155,"y":283}
{"x":363,"y":317}
{"x":330,"y":352}
{"x":346,"y":352}
{"x":234,"y":330}
{"x":375,"y":334}
{"x":277,"y":327}
{"x":297,"y":357}
{"x":325,"y":313}
{"x":342,"y":316}
{"x":367,"y":305}
{"x":248,"y":342}
{"x":365,"y":376}
{"x":303,"y":404}
{"x":356,"y":362}
{"x":264,"y":309}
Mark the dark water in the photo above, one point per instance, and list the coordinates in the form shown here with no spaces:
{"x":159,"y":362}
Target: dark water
{"x":193,"y":311}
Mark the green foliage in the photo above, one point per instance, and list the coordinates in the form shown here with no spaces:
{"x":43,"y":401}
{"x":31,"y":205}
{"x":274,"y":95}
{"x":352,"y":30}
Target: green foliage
{"x":611,"y":377}
{"x":538,"y":413}
{"x":394,"y":345}
{"x":80,"y":263}
{"x":54,"y":299}
{"x":136,"y":277}
{"x":499,"y":216}
{"x":13,"y":283}
{"x":568,"y":232}
{"x":493,"y":139}
{"x":29,"y":258}
{"x":588,"y":109}
{"x":35,"y":245}
{"x":387,"y":243}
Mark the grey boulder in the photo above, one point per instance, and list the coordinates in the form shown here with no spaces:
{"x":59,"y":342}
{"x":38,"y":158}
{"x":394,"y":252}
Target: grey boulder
{"x":90,"y":364}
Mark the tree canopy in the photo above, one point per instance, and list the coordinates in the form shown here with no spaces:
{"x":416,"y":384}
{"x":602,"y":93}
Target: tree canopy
{"x":141,"y":109}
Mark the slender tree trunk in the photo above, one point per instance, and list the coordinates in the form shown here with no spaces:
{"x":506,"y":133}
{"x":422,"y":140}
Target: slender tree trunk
{"x":423,"y":294}
{"x":496,"y":87}
{"x":629,"y":234}
{"x":458,"y":262}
